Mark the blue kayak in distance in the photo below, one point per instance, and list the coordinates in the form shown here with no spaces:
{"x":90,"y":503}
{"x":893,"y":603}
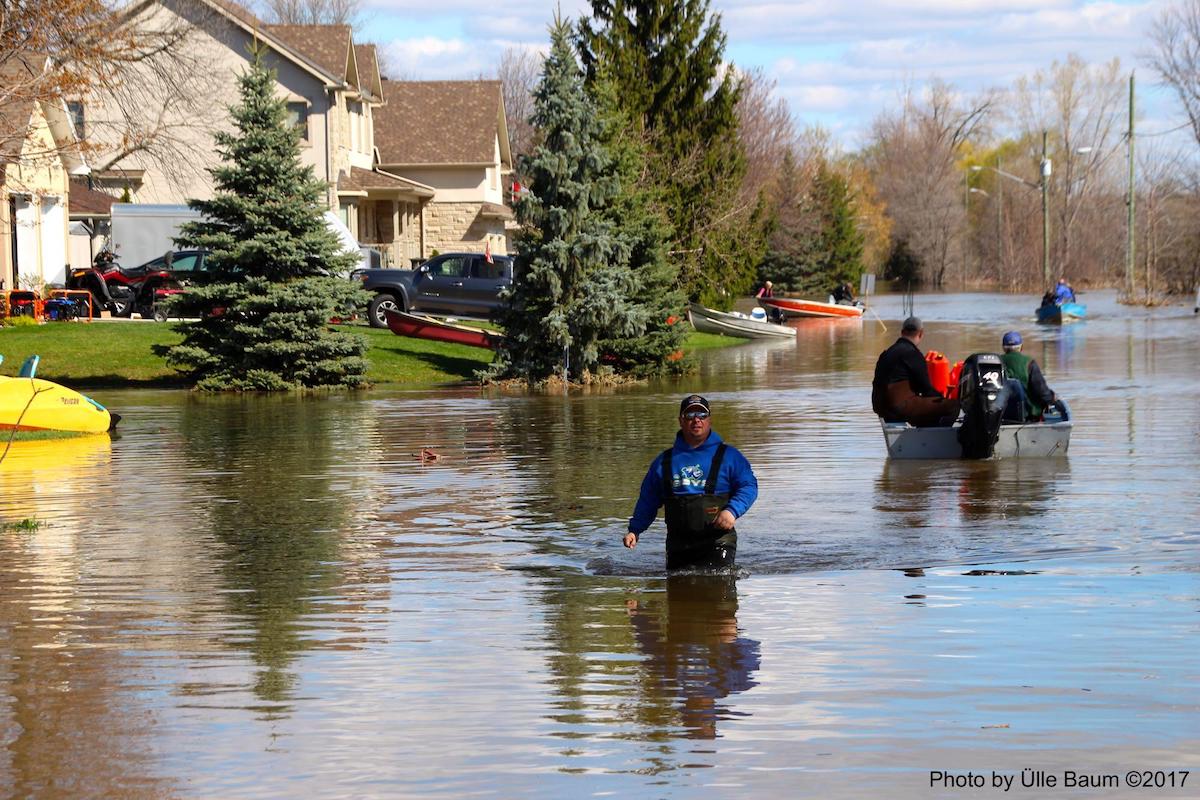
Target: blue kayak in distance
{"x":1053,"y":314}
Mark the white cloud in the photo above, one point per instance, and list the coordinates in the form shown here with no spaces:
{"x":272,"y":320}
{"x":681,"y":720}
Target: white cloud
{"x":842,"y":62}
{"x":429,"y":58}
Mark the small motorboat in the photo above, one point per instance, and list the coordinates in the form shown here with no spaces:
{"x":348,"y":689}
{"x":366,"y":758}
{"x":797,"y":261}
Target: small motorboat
{"x":1050,"y":437}
{"x":980,"y":431}
{"x":1055,"y":314}
{"x":733,"y":323}
{"x":795,"y":307}
{"x":419,"y":326}
{"x":32,"y":404}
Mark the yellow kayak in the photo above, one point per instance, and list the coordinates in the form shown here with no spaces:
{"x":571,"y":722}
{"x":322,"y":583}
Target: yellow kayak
{"x":53,"y":408}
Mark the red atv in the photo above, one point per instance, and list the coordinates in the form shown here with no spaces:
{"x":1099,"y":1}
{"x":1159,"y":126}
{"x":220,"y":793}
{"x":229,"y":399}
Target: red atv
{"x":126,"y":291}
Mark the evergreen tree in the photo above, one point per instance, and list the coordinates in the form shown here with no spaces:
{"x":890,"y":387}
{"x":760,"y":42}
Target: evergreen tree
{"x":840,"y":244}
{"x":264,"y":324}
{"x":637,"y":213}
{"x":666,"y":55}
{"x":817,"y":244}
{"x":572,"y":278}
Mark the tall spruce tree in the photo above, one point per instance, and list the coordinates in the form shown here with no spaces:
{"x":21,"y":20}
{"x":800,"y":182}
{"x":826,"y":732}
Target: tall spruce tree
{"x":638,"y":214}
{"x":840,"y":248}
{"x":816,"y":244}
{"x":264,"y":325}
{"x":572,"y":280}
{"x":666,"y":55}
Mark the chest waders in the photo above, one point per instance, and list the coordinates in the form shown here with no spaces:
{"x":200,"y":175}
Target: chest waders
{"x":693,"y":541}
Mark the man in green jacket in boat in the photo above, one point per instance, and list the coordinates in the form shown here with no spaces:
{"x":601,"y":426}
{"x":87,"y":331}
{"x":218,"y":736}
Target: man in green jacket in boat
{"x":705,"y":485}
{"x":1034,"y":396}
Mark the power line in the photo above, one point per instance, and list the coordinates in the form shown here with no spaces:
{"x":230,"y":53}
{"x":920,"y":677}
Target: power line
{"x":1161,"y":133}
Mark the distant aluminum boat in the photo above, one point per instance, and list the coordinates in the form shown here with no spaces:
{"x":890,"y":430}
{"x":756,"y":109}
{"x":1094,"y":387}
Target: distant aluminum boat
{"x":418,"y":326}
{"x":708,"y":320}
{"x":1025,"y":440}
{"x":1052,"y":314}
{"x":795,"y":307}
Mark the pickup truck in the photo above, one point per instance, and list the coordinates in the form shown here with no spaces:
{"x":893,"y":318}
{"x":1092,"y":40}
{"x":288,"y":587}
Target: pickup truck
{"x":459,"y":284}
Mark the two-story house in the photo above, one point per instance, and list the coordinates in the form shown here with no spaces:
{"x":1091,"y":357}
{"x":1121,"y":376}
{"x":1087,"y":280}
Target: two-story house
{"x":450,"y":135}
{"x":332,"y":88}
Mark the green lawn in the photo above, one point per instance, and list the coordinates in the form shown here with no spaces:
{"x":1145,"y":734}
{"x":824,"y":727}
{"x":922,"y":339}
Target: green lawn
{"x":108,"y":354}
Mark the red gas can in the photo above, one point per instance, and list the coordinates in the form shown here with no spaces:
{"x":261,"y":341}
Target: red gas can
{"x":952,"y":389}
{"x":939,"y":370}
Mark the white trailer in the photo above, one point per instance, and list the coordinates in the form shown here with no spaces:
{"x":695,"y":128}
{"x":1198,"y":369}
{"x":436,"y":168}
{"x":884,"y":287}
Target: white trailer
{"x":144,"y":231}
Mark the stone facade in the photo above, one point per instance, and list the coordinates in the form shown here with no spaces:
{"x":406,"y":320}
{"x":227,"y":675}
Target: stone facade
{"x":460,"y":227}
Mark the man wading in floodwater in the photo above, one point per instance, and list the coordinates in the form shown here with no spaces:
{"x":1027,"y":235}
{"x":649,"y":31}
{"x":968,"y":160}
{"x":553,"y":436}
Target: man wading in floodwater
{"x":705,"y":485}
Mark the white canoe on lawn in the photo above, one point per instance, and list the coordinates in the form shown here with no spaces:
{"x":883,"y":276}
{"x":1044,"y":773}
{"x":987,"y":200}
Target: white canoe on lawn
{"x":733,"y":323}
{"x":1016,"y":440}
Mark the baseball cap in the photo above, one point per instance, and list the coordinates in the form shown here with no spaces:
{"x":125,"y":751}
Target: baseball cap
{"x":1011,"y":339}
{"x":693,"y":401}
{"x":912,"y":324}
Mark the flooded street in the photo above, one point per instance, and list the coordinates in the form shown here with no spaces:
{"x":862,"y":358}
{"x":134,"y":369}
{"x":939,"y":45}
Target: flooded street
{"x":272,"y":597}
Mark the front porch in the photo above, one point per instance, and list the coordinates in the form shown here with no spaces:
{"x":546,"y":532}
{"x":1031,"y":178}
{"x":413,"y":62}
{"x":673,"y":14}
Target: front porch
{"x":386,"y":213}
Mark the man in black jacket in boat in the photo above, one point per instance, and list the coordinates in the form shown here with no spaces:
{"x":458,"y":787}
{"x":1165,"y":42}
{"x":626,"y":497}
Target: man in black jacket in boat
{"x":901,"y":390}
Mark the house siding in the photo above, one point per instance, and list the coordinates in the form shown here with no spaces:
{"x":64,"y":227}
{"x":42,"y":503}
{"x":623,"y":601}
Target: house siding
{"x":226,"y":47}
{"x":40,"y":181}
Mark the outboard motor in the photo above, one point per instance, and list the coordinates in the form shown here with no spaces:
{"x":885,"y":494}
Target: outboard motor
{"x":982,"y":394}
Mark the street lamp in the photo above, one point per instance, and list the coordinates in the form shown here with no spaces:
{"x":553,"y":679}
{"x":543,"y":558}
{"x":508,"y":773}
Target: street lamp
{"x":1043,"y":185}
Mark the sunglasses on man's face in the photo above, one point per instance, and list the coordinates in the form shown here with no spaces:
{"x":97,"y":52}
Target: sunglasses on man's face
{"x":696,"y":415}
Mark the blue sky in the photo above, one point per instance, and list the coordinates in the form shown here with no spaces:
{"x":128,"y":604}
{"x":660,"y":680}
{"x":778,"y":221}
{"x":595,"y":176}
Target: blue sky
{"x":835,"y":63}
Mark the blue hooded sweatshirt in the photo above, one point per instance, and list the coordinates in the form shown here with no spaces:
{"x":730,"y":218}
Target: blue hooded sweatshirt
{"x":690,"y":467}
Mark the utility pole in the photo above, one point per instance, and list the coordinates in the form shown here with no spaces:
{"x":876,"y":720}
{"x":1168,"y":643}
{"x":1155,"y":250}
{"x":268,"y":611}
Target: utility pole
{"x":1045,"y":212}
{"x":1131,"y":231}
{"x":999,"y":219}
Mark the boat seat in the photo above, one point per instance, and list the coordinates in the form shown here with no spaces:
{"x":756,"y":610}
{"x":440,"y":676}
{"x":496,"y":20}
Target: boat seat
{"x":29,"y":368}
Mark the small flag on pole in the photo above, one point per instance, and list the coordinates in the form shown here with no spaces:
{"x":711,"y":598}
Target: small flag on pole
{"x":487,"y":250}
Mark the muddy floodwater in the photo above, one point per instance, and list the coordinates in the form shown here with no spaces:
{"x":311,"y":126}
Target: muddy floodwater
{"x":271,"y":597}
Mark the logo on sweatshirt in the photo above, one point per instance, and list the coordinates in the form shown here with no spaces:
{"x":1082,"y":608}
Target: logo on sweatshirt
{"x":689,"y":476}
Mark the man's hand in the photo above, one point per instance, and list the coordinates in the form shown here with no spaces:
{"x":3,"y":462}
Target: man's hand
{"x":725,"y":520}
{"x":631,"y":540}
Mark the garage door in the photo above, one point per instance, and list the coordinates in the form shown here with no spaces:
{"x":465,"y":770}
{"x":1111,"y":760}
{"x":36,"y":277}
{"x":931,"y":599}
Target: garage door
{"x":54,"y":242}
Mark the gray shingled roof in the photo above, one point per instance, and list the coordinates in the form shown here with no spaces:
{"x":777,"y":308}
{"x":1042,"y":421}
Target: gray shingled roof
{"x":438,"y":122}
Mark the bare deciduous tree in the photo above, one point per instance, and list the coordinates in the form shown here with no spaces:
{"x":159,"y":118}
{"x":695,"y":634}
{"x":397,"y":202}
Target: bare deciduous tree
{"x":913,"y":156}
{"x":1081,"y":105}
{"x":1175,"y":37}
{"x":141,"y":87}
{"x":519,"y":71}
{"x":315,"y":12}
{"x":766,"y":130}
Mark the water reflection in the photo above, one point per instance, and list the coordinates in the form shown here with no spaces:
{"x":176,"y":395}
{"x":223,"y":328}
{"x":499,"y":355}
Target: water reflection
{"x":695,"y":658}
{"x":47,"y":474}
{"x":274,"y":507}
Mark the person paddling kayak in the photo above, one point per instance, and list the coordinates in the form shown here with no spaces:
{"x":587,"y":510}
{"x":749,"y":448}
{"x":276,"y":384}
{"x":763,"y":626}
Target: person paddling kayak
{"x":705,"y":486}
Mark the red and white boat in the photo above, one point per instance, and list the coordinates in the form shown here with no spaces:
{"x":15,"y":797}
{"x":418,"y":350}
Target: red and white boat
{"x":795,"y":307}
{"x":402,"y":323}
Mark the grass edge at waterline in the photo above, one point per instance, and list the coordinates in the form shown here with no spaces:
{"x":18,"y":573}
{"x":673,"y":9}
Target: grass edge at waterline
{"x":117,"y":355}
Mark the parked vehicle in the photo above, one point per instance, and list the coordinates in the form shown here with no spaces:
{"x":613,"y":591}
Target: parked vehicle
{"x":143,"y":231}
{"x":125,"y":291}
{"x":459,"y":284}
